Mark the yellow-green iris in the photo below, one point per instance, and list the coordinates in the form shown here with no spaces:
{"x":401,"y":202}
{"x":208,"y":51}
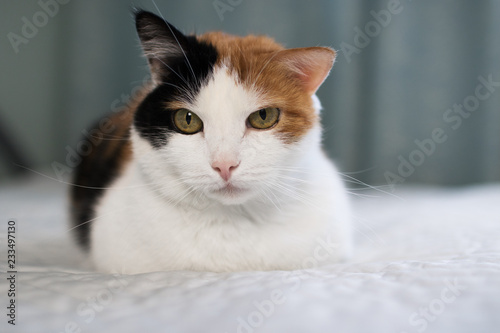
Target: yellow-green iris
{"x":264,"y":118}
{"x":187,"y":122}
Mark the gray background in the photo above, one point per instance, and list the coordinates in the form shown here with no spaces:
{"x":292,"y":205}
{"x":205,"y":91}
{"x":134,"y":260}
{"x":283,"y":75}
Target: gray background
{"x":86,"y":59}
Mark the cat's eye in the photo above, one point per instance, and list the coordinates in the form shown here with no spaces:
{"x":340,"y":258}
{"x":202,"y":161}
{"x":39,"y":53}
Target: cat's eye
{"x":187,"y":122}
{"x":264,"y":118}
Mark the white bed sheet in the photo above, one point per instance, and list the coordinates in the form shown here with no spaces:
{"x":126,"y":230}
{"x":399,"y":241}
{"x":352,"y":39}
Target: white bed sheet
{"x":427,"y":260}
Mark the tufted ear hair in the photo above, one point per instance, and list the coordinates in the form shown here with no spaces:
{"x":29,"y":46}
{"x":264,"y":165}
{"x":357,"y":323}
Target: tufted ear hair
{"x":160,"y":42}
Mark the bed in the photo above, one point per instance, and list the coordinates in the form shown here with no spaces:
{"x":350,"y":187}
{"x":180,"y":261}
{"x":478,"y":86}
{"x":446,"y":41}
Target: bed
{"x":426,"y":260}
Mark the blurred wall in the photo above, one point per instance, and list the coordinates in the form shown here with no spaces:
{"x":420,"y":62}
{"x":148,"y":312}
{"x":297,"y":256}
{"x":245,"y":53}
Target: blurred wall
{"x":406,"y":102}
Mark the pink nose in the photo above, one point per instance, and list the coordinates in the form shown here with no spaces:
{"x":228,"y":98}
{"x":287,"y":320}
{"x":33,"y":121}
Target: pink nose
{"x":225,"y":168}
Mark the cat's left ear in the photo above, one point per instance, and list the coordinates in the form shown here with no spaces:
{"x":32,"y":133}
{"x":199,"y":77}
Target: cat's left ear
{"x":161,"y":42}
{"x":311,"y":65}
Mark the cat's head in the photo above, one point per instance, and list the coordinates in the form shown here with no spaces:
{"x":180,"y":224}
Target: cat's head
{"x":226,"y":117}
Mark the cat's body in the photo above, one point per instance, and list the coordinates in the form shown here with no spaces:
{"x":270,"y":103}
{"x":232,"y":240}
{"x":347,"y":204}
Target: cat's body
{"x":217,"y":165}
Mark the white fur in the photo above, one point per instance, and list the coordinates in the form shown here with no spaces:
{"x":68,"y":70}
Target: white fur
{"x":170,"y":209}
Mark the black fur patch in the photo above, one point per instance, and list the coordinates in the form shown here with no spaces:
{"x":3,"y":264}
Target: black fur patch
{"x":96,"y":172}
{"x":184,"y":66}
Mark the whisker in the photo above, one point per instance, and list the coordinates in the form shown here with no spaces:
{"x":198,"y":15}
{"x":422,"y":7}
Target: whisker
{"x":263,"y":191}
{"x":294,"y":179}
{"x":361,"y":221}
{"x":364,"y":234}
{"x":360,"y":171}
{"x":183,"y":89}
{"x":83,"y":223}
{"x":292,"y":193}
{"x":359,"y":195}
{"x":157,"y":195}
{"x":370,"y":186}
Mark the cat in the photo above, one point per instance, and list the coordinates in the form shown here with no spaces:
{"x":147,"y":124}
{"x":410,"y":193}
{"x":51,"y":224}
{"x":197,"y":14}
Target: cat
{"x":217,"y":165}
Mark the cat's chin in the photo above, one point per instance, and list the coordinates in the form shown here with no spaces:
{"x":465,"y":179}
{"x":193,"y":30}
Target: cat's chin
{"x":231,"y":195}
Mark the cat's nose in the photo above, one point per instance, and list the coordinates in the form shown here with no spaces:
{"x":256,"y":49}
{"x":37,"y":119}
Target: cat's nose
{"x":225,"y":168}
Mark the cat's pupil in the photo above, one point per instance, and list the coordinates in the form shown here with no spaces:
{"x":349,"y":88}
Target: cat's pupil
{"x":188,"y":118}
{"x":263,"y":114}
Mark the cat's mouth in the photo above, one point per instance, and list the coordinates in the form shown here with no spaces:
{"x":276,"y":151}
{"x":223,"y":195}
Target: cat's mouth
{"x":230,"y":190}
{"x":230,"y":194}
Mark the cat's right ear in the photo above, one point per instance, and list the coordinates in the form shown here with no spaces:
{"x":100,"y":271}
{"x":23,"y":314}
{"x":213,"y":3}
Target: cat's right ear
{"x":311,"y":65}
{"x":160,"y":42}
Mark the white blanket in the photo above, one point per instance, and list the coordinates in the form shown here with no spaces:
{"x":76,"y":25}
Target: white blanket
{"x":427,"y":260}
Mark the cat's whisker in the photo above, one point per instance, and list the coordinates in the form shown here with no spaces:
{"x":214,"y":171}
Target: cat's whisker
{"x":362,"y":222}
{"x":92,"y":220}
{"x":183,"y":89}
{"x":360,"y":171}
{"x":364,"y":234}
{"x":358,"y":188}
{"x":292,"y":193}
{"x":359,"y":195}
{"x":86,"y":222}
{"x":171,"y":184}
{"x":295,"y":179}
{"x":73,"y":184}
{"x":355,"y":192}
{"x":263,"y":191}
{"x":111,"y":138}
{"x":299,"y":170}
{"x":178,"y":199}
{"x":295,"y":188}
{"x":365,"y":188}
{"x":357,"y":181}
{"x":153,"y":183}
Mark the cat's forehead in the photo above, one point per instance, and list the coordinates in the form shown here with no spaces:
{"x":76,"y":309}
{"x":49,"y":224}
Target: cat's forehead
{"x":223,"y":96}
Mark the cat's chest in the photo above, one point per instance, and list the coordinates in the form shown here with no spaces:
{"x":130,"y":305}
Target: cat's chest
{"x":170,"y":237}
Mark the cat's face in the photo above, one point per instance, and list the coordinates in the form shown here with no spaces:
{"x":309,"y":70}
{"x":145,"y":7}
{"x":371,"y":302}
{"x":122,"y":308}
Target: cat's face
{"x":227,"y":117}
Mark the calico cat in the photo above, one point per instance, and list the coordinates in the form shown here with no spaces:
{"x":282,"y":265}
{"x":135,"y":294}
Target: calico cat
{"x":217,"y":165}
